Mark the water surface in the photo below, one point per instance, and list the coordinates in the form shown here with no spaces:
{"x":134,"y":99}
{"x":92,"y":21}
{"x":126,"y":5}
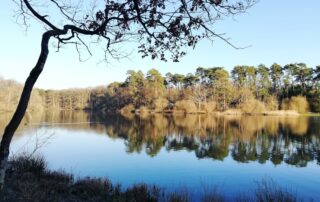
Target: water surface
{"x":195,"y":152}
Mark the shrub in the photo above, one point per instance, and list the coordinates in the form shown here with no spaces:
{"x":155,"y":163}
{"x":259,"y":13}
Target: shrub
{"x":142,"y":192}
{"x":91,"y":188}
{"x":297,"y":103}
{"x":271,"y":103}
{"x":315,"y":103}
{"x":186,"y":106}
{"x":208,"y":107}
{"x":285,"y":104}
{"x":160,"y":104}
{"x":252,"y":106}
{"x":26,"y":163}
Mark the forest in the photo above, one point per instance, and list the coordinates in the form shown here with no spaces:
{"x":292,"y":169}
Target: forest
{"x":246,"y":89}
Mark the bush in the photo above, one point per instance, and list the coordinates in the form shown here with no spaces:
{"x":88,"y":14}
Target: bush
{"x":26,"y":163}
{"x":127,"y":109}
{"x":271,"y":103}
{"x":252,"y":106}
{"x":142,"y":192}
{"x":208,"y":107}
{"x":186,"y":106}
{"x":160,"y":104}
{"x":297,"y":103}
{"x":91,"y":188}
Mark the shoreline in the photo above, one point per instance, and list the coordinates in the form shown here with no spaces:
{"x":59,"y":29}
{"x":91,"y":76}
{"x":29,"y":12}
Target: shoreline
{"x":29,"y":179}
{"x":231,"y":112}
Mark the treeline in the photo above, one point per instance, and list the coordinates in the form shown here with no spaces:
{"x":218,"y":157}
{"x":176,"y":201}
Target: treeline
{"x":10,"y":91}
{"x":70,"y":99}
{"x":248,"y":89}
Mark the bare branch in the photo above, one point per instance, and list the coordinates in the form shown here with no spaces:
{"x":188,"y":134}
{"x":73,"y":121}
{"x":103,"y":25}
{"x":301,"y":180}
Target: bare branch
{"x":36,"y":14}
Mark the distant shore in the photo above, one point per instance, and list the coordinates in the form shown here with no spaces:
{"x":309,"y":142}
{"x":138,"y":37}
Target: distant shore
{"x":230,"y":112}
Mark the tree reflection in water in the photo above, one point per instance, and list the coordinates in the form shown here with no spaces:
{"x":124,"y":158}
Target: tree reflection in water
{"x":292,"y":140}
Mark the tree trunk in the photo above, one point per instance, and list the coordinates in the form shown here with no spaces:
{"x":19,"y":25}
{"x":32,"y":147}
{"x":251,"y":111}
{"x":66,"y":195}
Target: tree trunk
{"x":22,"y":105}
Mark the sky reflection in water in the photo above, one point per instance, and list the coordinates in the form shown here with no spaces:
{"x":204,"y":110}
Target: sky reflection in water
{"x":193,"y":152}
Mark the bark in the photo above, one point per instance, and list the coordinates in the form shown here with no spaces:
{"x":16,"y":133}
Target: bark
{"x":22,"y":105}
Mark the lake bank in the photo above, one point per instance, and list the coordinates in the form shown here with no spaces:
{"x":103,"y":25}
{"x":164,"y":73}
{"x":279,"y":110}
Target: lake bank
{"x":28,"y":179}
{"x":229,"y":112}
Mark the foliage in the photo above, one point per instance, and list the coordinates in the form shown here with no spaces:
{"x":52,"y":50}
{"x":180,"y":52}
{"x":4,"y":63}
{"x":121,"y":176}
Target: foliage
{"x":252,"y":106}
{"x":9,"y":96}
{"x":208,"y":88}
{"x":271,"y":103}
{"x":297,"y":103}
{"x":27,"y":163}
{"x":160,"y":104}
{"x":186,"y":106}
{"x":208,"y":107}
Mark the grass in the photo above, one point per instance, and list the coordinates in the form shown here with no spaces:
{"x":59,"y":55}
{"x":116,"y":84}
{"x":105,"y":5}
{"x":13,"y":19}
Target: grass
{"x":310,"y":114}
{"x":28,"y":179}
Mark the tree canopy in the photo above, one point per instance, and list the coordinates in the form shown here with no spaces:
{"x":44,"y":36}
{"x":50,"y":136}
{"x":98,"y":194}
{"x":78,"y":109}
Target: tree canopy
{"x":162,"y":29}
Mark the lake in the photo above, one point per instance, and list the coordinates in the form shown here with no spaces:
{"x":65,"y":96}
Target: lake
{"x":193,"y":152}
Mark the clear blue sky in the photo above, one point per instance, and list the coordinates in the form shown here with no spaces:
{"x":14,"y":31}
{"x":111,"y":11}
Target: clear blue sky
{"x":283,"y":31}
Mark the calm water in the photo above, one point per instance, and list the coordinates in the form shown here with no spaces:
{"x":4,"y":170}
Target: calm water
{"x":195,"y":152}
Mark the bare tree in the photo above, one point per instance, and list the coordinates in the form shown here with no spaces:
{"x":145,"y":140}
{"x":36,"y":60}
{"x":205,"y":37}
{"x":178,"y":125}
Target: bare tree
{"x":161,"y":28}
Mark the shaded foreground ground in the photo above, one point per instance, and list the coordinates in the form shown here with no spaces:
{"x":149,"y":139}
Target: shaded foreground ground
{"x":28,"y":179}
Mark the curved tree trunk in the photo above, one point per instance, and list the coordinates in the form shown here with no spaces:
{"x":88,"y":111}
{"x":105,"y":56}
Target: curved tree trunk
{"x":22,"y":105}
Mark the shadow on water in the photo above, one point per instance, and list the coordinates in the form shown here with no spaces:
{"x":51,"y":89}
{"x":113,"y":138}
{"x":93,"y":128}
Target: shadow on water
{"x":293,"y":140}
